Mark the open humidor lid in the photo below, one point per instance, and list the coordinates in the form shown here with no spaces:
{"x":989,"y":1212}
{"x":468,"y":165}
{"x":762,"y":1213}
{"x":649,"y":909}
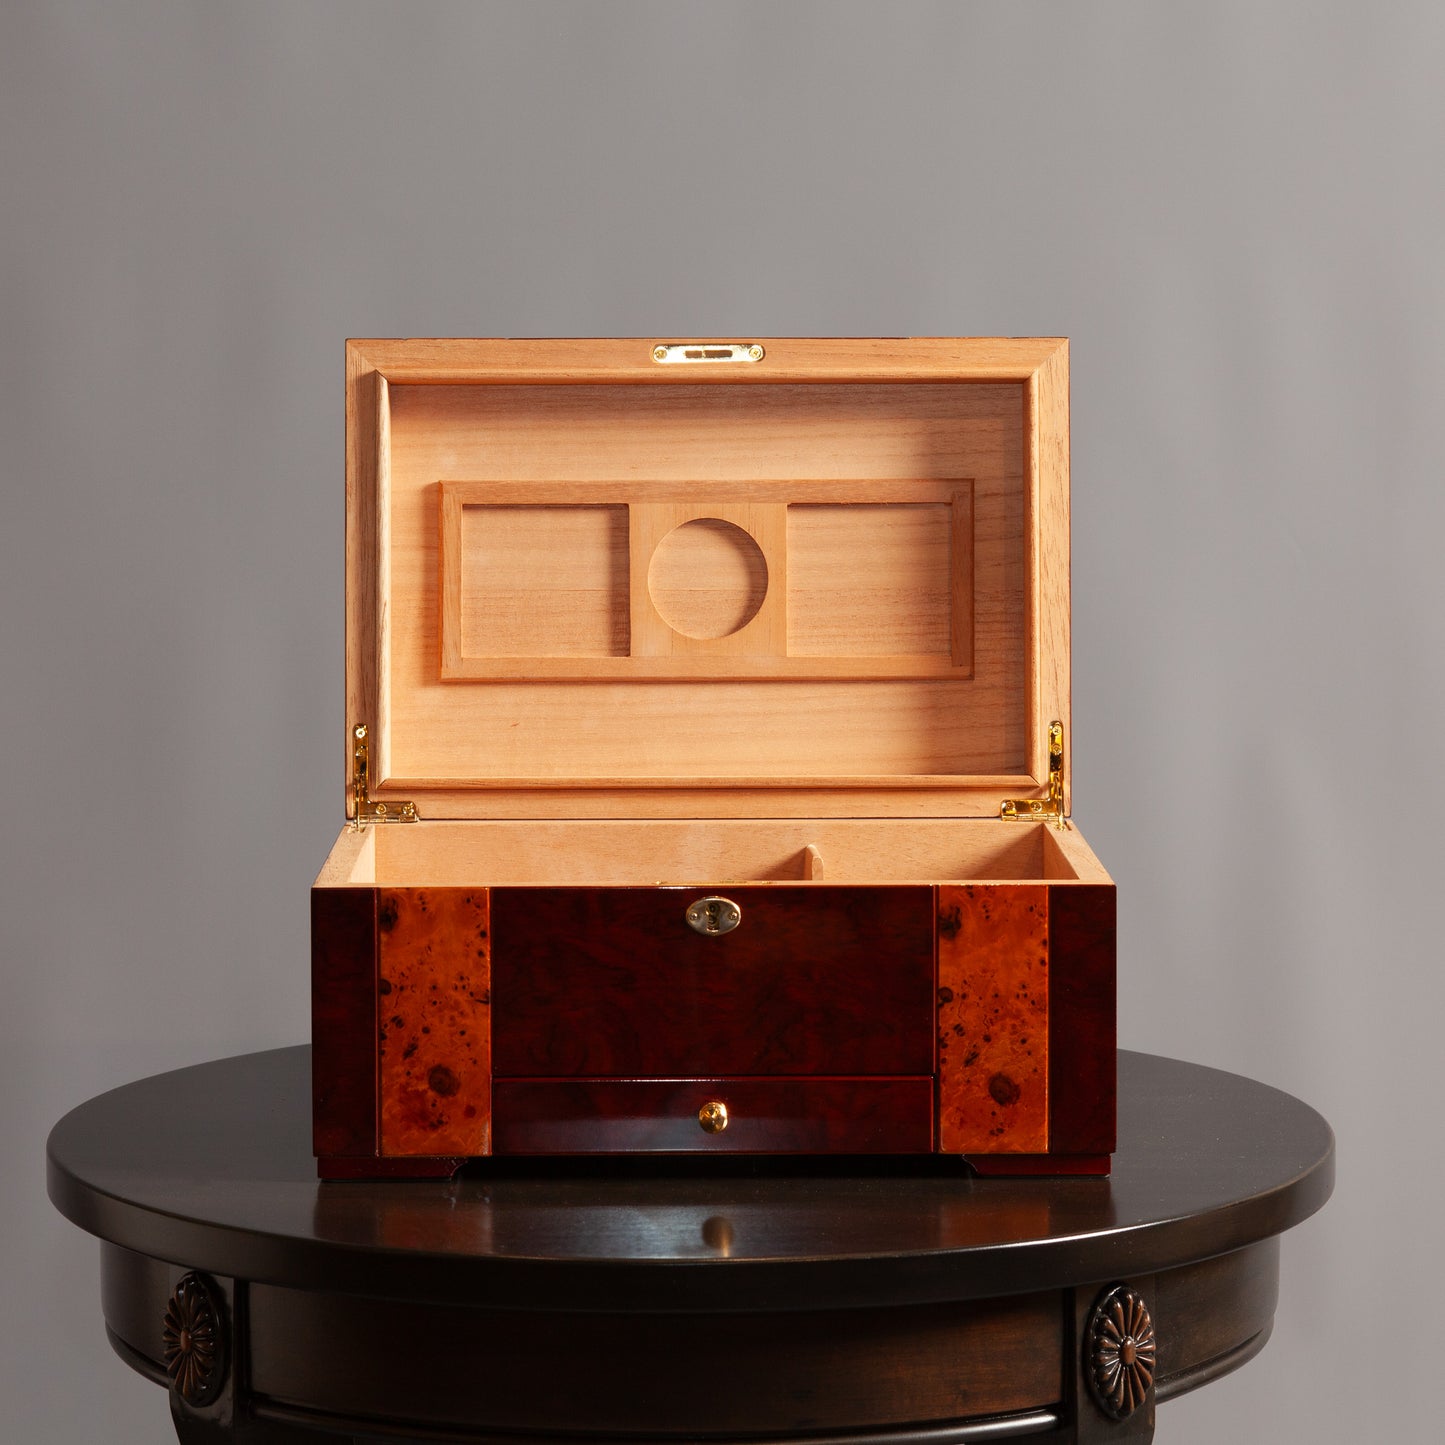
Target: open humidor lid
{"x":706,"y":579}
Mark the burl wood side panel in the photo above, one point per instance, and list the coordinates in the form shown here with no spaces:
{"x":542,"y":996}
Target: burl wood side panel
{"x":435,"y":1038}
{"x":612,"y":983}
{"x":993,"y":1018}
{"x":343,"y":1020}
{"x":1082,"y":1058}
{"x":765,"y":1116}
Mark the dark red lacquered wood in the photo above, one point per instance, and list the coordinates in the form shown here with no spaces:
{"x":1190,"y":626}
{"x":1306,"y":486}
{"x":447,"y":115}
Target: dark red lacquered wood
{"x":343,"y":1020}
{"x":765,"y":1116}
{"x":1082,"y":1038}
{"x":612,"y":983}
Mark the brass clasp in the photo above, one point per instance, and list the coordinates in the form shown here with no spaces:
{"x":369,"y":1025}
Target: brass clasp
{"x":671,"y":355}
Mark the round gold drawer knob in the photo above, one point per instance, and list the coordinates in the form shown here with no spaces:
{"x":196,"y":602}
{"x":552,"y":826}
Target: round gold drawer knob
{"x":713,"y":1116}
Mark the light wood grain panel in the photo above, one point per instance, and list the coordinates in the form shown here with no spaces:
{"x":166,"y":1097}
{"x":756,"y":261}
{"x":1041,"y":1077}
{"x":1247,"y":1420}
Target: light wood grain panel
{"x":960,"y":578}
{"x":856,"y":581}
{"x":703,"y":582}
{"x":451,"y":564}
{"x":760,"y":730}
{"x":595,"y":491}
{"x":363,"y":573}
{"x":882,"y":580}
{"x":708,"y":578}
{"x":648,"y":851}
{"x":381,"y":731}
{"x":1067,"y":855}
{"x":849,"y":427}
{"x":1049,"y":622}
{"x":465,"y":361}
{"x":871,"y":797}
{"x":352,"y":859}
{"x":543,"y":581}
{"x":704,"y":665}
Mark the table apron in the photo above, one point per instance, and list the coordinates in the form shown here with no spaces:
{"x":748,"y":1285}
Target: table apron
{"x":357,"y":1362}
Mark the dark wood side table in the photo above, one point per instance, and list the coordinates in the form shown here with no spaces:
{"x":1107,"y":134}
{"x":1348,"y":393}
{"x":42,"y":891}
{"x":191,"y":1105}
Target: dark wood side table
{"x":895,"y":1304}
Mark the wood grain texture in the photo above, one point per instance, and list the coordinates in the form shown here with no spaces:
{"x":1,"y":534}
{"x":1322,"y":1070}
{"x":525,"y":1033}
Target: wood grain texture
{"x":1082,"y":1049}
{"x":529,"y":584}
{"x":365,"y":405}
{"x":1224,"y":1301}
{"x":646,"y":852}
{"x":993,"y":1018}
{"x":613,"y":983}
{"x":960,"y":577}
{"x":674,"y":728}
{"x":695,"y":589}
{"x":863,"y":580}
{"x":885,"y":743}
{"x":363,"y":1357}
{"x":895,"y":753}
{"x":678,"y":1377}
{"x":1047,"y":529}
{"x":434,"y":1005}
{"x":458,"y":361}
{"x":765,"y":1116}
{"x":884,"y":584}
{"x":343,"y":1020}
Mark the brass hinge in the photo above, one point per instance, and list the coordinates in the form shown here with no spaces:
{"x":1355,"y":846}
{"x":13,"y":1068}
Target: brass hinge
{"x":365,"y":809}
{"x":1052,"y":806}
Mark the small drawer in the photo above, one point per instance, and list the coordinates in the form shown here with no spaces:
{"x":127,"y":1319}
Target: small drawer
{"x":709,"y":1116}
{"x":616,"y":983}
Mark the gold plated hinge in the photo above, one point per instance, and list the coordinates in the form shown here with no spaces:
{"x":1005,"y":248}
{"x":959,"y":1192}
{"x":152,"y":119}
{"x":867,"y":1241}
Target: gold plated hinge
{"x":1050,"y":808}
{"x":364,"y":809}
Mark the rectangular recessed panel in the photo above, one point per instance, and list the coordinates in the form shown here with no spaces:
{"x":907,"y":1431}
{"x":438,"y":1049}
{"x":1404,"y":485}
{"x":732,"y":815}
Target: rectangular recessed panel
{"x":870,"y":579}
{"x":544,"y":581}
{"x":462,"y":716}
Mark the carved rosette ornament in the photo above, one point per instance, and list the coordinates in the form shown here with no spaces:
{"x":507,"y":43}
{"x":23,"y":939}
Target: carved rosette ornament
{"x":194,"y":1341}
{"x":1119,"y":1352}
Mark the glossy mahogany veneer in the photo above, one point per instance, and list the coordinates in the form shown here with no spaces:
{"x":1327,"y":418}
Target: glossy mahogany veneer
{"x":764,"y":1116}
{"x":973,"y":1019}
{"x":610,"y":983}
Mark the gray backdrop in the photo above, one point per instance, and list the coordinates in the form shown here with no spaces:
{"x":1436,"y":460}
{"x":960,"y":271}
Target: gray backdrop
{"x":1235,"y":212}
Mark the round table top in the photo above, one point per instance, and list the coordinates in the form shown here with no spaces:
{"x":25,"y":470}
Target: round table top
{"x":212,"y":1166}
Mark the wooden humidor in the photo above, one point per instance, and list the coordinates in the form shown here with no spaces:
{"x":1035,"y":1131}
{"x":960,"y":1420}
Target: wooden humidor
{"x":706,"y":768}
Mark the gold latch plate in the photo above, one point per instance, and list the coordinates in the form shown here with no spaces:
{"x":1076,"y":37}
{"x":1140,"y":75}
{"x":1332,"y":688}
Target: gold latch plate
{"x":365,"y":809}
{"x":1049,"y":808}
{"x":693,"y":351}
